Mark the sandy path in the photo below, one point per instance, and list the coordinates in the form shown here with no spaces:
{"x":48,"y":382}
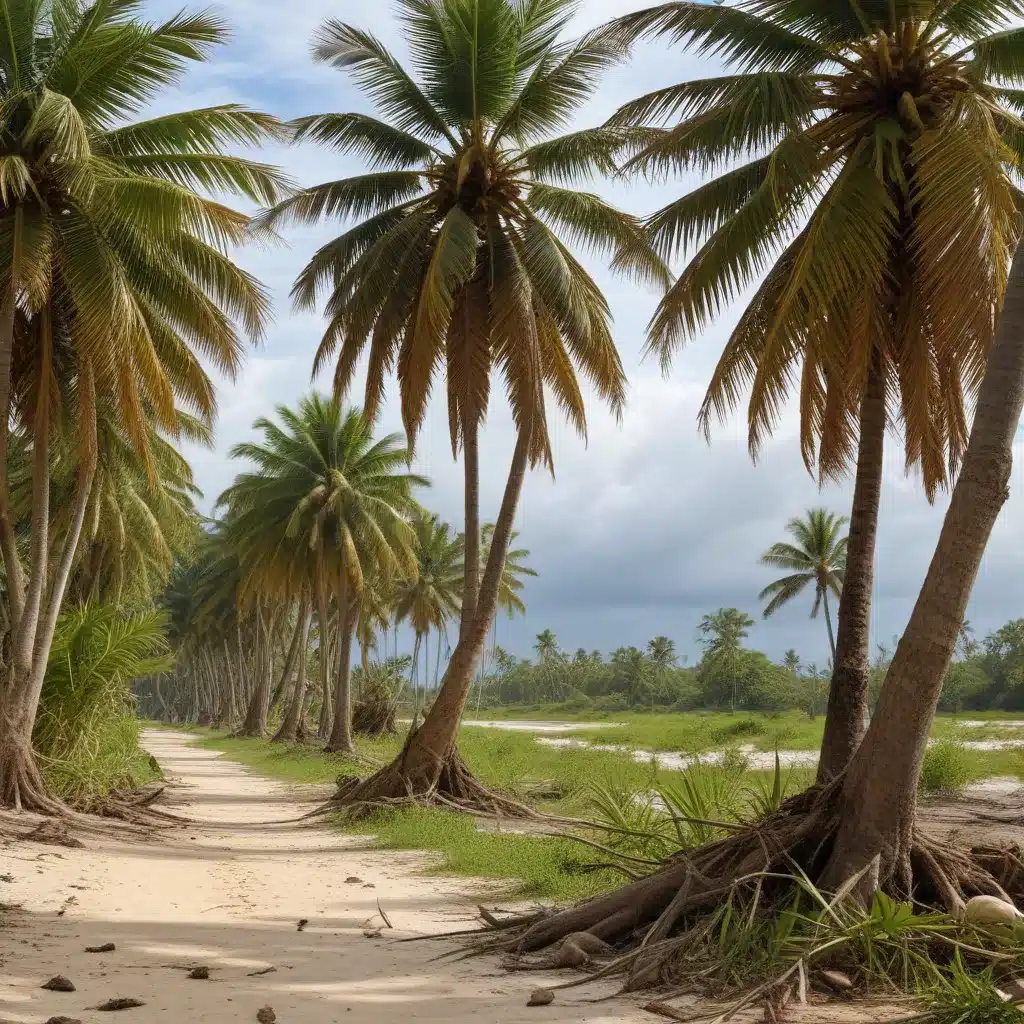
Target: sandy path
{"x":227,"y":892}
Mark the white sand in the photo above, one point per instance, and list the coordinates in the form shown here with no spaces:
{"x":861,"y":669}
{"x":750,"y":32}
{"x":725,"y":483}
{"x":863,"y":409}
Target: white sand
{"x":228,"y":893}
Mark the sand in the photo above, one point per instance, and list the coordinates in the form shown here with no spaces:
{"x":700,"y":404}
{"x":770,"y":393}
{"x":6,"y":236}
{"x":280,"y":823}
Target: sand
{"x":227,"y":893}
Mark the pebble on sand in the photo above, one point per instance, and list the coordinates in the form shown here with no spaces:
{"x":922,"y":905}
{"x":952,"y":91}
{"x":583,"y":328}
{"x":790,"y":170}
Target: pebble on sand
{"x":541,"y":997}
{"x":59,"y":983}
{"x":266,"y":1015}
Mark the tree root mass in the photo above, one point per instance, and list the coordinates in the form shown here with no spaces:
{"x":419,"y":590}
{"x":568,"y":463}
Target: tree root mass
{"x":656,"y":924}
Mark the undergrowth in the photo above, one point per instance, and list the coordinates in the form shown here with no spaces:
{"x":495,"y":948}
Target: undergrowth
{"x":86,"y":732}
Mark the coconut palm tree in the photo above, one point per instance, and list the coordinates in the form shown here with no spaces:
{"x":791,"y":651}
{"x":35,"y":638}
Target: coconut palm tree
{"x":860,"y":159}
{"x":546,"y":646}
{"x":877,"y":832}
{"x":114,"y":274}
{"x":817,"y":555}
{"x":721,"y":635}
{"x":329,"y":504}
{"x":459,"y":263}
{"x":662,"y":652}
{"x":432,"y":596}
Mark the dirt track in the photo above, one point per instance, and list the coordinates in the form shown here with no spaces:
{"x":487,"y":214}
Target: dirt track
{"x":227,"y":893}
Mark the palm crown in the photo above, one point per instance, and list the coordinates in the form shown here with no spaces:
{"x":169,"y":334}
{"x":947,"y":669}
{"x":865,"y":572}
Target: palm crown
{"x":114,"y":256}
{"x":457,"y":261}
{"x":326,"y":504}
{"x":878,"y":146}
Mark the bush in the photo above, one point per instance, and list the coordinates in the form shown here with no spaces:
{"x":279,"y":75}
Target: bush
{"x":946,"y":767}
{"x":86,"y":732}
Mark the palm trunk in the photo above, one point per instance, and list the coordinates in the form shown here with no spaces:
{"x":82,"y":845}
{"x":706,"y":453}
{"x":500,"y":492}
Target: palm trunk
{"x":255,"y":723}
{"x":290,"y":726}
{"x":21,"y":782}
{"x":8,"y":542}
{"x":847,"y":719}
{"x":434,"y":743}
{"x":326,"y":710}
{"x":416,"y":673}
{"x":341,"y":731}
{"x":828,"y":626}
{"x":471,"y":549}
{"x":289,"y":662}
{"x":879,"y":795}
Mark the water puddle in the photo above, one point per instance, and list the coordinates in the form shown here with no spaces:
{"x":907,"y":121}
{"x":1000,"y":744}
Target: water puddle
{"x":539,"y":726}
{"x":757,"y":760}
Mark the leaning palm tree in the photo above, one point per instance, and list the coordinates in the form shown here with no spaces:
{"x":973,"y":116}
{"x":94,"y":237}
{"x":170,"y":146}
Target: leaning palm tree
{"x":817,"y":555}
{"x":114,"y":273}
{"x":459,"y":263}
{"x":330,"y":504}
{"x":862,"y":160}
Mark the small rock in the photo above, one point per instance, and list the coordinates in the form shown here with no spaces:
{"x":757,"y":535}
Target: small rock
{"x":371,"y":933}
{"x":63,"y":1020}
{"x":199,"y":974}
{"x":266,"y":1015}
{"x":302,"y":924}
{"x":6,"y":878}
{"x":262,"y":971}
{"x":59,"y":983}
{"x":107,"y":947}
{"x":836,"y":980}
{"x":369,"y":885}
{"x":352,"y":880}
{"x":991,"y":910}
{"x":541,"y":997}
{"x":121,"y":1003}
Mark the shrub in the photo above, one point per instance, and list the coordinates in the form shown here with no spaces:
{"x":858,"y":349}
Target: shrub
{"x":86,"y":732}
{"x":946,"y":767}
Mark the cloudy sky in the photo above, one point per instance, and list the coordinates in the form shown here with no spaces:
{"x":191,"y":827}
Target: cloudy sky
{"x":646,"y":527}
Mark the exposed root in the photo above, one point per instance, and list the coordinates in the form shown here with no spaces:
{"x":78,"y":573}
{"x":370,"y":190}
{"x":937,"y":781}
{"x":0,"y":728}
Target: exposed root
{"x":23,"y":787}
{"x":402,"y":783}
{"x":662,"y":926}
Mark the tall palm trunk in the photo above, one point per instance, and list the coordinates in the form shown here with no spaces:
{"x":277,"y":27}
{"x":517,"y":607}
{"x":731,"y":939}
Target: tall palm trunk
{"x":341,"y":730}
{"x":326,"y":706}
{"x":433,"y":744}
{"x":416,"y":672}
{"x":255,"y":723}
{"x":828,"y":626}
{"x":288,"y":669}
{"x":471,"y":543}
{"x":290,"y":726}
{"x":879,"y":795}
{"x":8,"y":543}
{"x":847,"y":719}
{"x":21,"y":782}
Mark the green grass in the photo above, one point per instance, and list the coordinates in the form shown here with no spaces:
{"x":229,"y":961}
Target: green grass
{"x":522,"y":866}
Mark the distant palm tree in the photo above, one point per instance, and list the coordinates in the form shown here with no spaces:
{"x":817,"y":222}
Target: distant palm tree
{"x":791,"y":661}
{"x":662,"y":652}
{"x":722,"y":636}
{"x":432,"y":597}
{"x":546,"y":645}
{"x":326,"y":507}
{"x":818,"y":556}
